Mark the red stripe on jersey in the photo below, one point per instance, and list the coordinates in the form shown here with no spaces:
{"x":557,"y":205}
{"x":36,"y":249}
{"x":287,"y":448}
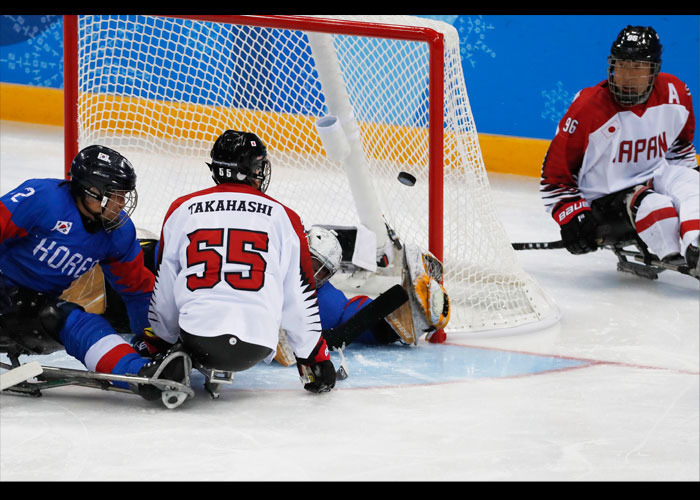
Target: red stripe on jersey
{"x":8,"y":229}
{"x":690,"y":225}
{"x":133,"y":275}
{"x":307,"y":268}
{"x":361,"y":298}
{"x":110,"y":359}
{"x":654,"y":217}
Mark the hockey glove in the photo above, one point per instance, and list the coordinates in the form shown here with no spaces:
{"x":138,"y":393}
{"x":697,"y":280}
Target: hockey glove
{"x":148,"y":344}
{"x":577,"y":227}
{"x":317,"y":371}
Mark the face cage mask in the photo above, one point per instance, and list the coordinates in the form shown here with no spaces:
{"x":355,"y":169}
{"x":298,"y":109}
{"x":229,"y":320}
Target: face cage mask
{"x":324,"y":265}
{"x":110,"y":219}
{"x":629,"y":98}
{"x":263,"y":176}
{"x":319,"y":273}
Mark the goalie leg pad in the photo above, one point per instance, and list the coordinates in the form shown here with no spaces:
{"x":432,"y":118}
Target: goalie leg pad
{"x":424,"y":273}
{"x":434,"y":300}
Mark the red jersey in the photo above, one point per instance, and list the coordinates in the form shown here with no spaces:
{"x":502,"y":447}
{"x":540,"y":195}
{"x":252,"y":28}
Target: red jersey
{"x":601,"y":147}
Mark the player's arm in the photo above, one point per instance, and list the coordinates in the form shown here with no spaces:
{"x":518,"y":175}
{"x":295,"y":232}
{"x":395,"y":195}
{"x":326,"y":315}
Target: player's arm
{"x":300,"y":315}
{"x":682,"y":151}
{"x":127,"y":274}
{"x":559,"y":184}
{"x":17,"y":212}
{"x":163,"y":312}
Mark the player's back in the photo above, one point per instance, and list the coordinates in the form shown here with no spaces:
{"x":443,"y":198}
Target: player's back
{"x":238,"y":259}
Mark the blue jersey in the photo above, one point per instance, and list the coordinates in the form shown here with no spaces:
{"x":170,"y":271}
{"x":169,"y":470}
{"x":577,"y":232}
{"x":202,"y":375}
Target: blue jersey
{"x":335,"y":309}
{"x":45,"y":247}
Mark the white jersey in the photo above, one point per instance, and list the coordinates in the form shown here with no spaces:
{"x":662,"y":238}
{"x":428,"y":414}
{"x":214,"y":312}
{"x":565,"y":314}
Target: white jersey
{"x":235,"y":261}
{"x":601,"y":147}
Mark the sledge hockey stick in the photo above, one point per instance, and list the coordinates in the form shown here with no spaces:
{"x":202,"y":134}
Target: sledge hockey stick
{"x":602,"y":233}
{"x":651,"y":262}
{"x":174,"y":393}
{"x":20,"y":374}
{"x":638,"y":256}
{"x":539,"y":245}
{"x":367,"y":317}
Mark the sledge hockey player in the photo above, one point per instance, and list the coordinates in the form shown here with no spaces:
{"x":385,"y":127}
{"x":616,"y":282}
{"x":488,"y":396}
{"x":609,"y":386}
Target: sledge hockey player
{"x":233,"y":267}
{"x":622,"y":163}
{"x":51,"y":232}
{"x":426,"y":295}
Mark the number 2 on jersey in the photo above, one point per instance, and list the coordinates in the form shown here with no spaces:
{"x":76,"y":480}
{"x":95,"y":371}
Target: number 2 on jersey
{"x":241,"y":247}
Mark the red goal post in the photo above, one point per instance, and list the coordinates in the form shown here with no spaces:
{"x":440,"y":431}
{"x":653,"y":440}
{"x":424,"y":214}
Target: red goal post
{"x":160,"y":89}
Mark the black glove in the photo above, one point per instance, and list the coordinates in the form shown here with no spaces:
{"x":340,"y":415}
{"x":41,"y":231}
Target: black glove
{"x":317,"y":371}
{"x":148,"y":345}
{"x":578,"y":227}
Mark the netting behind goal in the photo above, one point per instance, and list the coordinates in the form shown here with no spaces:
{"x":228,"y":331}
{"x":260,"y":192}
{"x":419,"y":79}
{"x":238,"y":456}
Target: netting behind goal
{"x":160,"y":90}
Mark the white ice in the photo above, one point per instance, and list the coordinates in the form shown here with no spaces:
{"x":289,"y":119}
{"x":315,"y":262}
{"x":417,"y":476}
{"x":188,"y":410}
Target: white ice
{"x":608,"y":393}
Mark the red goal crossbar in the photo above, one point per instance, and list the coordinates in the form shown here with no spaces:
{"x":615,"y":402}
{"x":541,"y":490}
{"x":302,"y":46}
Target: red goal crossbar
{"x":434,"y":39}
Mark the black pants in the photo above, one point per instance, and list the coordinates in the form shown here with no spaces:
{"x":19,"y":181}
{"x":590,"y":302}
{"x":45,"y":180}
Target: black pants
{"x":225,"y":352}
{"x":30,"y":321}
{"x":614,"y":223}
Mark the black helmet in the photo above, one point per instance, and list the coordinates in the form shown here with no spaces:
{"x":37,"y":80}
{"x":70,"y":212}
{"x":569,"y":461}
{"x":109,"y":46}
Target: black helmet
{"x":100,"y":173}
{"x":639,"y":44}
{"x":240,"y":157}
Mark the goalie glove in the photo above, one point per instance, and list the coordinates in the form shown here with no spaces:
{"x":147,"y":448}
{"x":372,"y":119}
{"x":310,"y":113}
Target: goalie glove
{"x":426,"y":291}
{"x":148,"y":344}
{"x":317,"y":371}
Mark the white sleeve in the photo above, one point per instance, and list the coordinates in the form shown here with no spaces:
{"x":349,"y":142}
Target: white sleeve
{"x":163,"y":313}
{"x":300,"y":316}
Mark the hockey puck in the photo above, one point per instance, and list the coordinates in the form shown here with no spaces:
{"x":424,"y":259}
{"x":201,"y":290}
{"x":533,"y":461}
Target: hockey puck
{"x":406,"y":179}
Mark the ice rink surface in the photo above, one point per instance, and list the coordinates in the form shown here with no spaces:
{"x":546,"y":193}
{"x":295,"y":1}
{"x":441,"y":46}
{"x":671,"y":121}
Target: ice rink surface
{"x":609,"y":393}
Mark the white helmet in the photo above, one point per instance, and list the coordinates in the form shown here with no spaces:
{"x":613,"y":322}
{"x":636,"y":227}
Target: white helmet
{"x":326,"y":250}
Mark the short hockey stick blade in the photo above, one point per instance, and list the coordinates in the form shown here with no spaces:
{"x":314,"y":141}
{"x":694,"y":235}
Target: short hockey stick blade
{"x":20,"y":374}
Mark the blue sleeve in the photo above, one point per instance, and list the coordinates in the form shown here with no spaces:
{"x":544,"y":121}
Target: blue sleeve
{"x":335,"y":309}
{"x":129,"y":277}
{"x":331,"y":305}
{"x":20,"y":209}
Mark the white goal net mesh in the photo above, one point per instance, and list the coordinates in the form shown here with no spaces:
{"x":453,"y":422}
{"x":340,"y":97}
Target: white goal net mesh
{"x":160,"y":90}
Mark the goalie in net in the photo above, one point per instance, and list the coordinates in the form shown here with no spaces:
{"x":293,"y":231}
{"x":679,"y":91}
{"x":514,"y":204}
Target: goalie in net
{"x":426,"y":309}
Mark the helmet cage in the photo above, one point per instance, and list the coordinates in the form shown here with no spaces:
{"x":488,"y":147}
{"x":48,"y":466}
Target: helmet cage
{"x":637,"y":93}
{"x":111,"y":198}
{"x":640,"y":48}
{"x":325,"y":249}
{"x":106,"y":176}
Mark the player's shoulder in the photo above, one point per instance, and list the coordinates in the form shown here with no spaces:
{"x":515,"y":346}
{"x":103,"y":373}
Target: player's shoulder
{"x":185,"y":198}
{"x":38,"y":196}
{"x":667,"y":84}
{"x":288,"y":214}
{"x":590,"y":108}
{"x":591,"y":98}
{"x":668,"y":77}
{"x":47,"y":187}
